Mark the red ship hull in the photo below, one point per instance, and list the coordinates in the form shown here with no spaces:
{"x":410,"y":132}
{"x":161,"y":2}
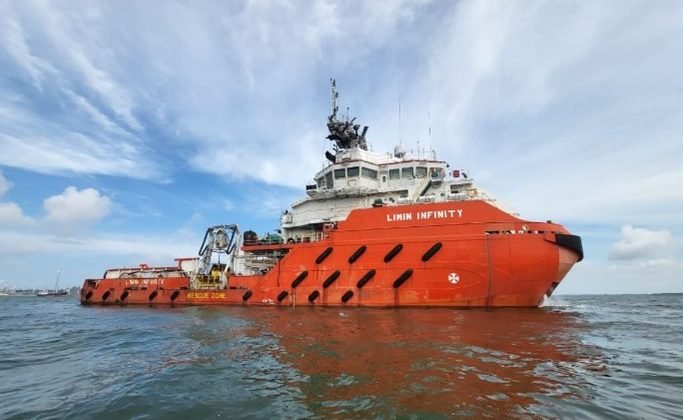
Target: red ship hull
{"x":458,"y":254}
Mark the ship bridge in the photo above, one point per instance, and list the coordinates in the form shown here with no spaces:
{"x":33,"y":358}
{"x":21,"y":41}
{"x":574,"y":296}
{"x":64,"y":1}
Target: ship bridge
{"x":355,"y":177}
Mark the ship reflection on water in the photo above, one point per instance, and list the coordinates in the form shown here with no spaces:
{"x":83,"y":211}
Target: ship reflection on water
{"x":371,"y":362}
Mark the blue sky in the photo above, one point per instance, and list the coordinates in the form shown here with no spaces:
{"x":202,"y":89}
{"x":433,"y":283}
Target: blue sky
{"x":127,"y":128}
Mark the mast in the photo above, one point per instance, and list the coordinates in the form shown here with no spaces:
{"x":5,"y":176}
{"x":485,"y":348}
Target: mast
{"x":334,"y":95}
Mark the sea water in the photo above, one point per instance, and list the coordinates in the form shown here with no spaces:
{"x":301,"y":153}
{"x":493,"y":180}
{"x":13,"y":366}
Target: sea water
{"x":579,"y":356}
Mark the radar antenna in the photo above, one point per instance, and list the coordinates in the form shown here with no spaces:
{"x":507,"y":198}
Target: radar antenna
{"x":345,"y":133}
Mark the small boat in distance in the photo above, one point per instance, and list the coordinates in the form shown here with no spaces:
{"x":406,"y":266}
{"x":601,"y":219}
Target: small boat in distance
{"x":56,"y":292}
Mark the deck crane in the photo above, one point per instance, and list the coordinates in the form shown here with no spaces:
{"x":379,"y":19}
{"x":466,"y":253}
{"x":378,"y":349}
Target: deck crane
{"x":219,"y":239}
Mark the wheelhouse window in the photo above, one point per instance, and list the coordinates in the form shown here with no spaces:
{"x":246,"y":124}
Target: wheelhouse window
{"x":339,"y":173}
{"x":353,"y":171}
{"x":321,"y":182}
{"x":394,"y":173}
{"x":329,"y":181}
{"x":368,"y":173}
{"x":421,"y":171}
{"x":407,"y":172}
{"x":436,"y":172}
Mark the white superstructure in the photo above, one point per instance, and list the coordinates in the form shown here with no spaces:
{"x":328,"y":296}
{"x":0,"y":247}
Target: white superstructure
{"x":357,"y":178}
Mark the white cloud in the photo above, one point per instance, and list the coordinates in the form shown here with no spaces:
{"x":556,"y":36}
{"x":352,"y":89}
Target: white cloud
{"x":566,"y":111}
{"x":31,"y":258}
{"x":14,"y":40}
{"x":83,"y":53}
{"x":201,"y":74}
{"x":12,"y":215}
{"x":657,"y":262}
{"x":594,"y":160}
{"x":5,"y":185}
{"x":74,"y":116}
{"x":158,"y":247}
{"x":75,"y":209}
{"x":640,"y":243}
{"x":75,"y":153}
{"x":242,"y":120}
{"x":69,"y":212}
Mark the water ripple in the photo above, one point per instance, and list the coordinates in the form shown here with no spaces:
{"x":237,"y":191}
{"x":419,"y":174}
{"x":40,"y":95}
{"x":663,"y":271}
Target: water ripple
{"x":584,"y":356}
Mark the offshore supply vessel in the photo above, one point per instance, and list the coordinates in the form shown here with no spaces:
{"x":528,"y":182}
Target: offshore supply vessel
{"x":375,"y":229}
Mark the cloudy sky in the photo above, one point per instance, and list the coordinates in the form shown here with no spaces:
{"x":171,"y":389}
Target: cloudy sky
{"x":128,"y":127}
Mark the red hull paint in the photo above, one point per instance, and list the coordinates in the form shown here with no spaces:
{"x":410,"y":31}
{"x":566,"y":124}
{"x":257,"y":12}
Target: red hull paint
{"x":487,"y":258}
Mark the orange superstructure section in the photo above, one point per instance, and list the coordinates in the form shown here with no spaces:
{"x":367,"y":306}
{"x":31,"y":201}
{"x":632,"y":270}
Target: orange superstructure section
{"x":459,"y":254}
